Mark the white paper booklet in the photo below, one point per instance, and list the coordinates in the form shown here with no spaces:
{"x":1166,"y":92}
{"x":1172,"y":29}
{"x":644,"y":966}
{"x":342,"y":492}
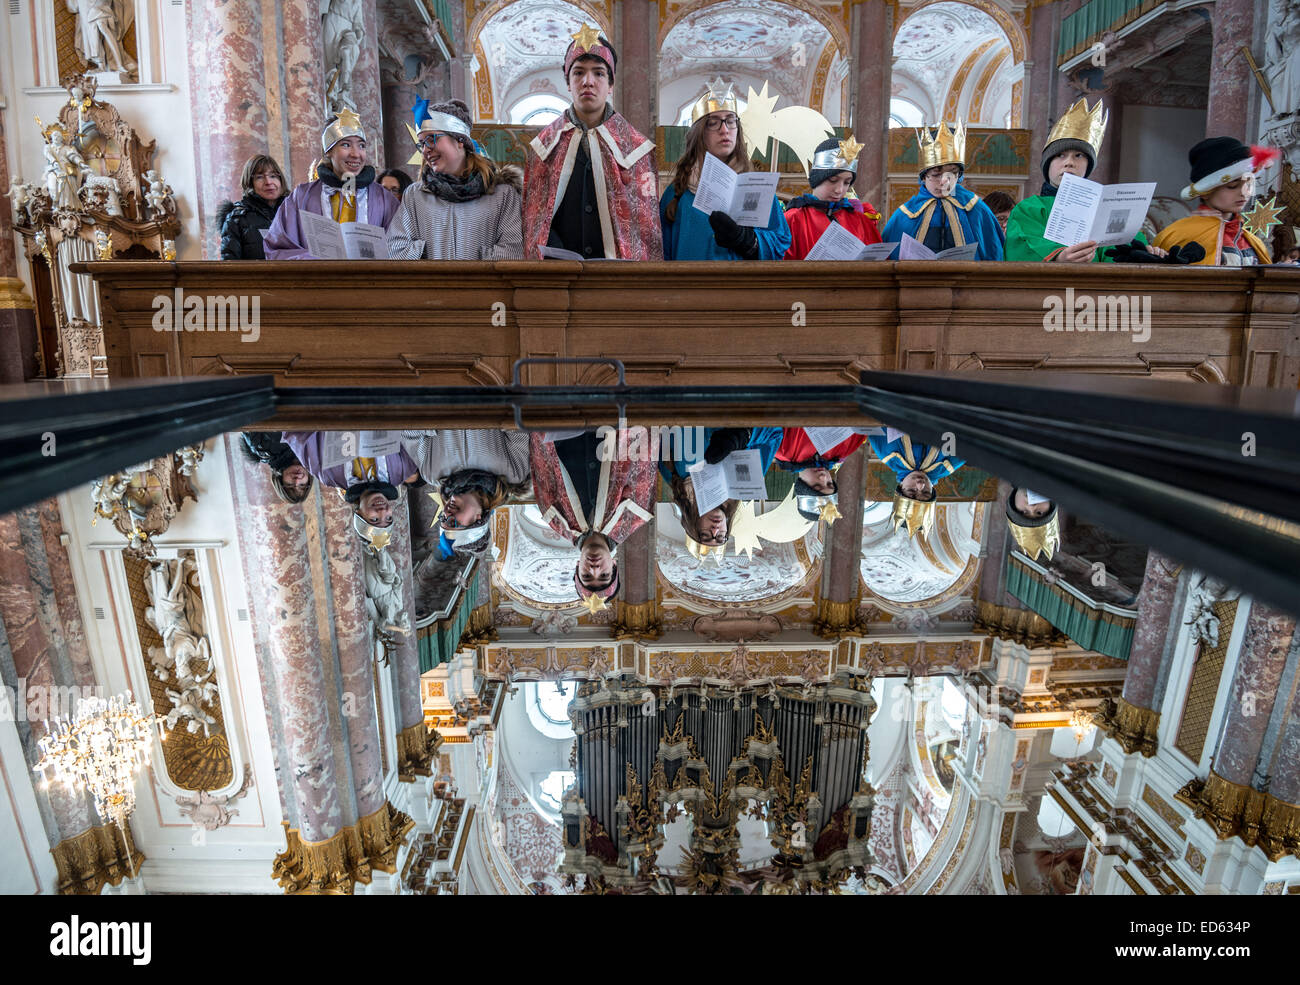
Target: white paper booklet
{"x":330,"y":240}
{"x":738,"y":476}
{"x":1109,"y":215}
{"x":747,"y":198}
{"x":837,"y":243}
{"x":913,"y":249}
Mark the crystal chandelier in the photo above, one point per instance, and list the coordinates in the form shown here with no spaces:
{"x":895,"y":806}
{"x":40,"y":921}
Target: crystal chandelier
{"x":1082,"y":724}
{"x":101,"y":749}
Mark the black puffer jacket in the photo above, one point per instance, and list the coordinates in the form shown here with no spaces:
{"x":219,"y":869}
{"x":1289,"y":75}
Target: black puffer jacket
{"x":267,"y":448}
{"x":241,"y":224}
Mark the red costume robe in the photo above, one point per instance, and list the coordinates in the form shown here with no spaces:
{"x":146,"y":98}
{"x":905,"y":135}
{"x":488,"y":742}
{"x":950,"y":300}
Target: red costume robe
{"x":627,"y":187}
{"x":807,"y":223}
{"x":625,"y":494}
{"x":796,"y":446}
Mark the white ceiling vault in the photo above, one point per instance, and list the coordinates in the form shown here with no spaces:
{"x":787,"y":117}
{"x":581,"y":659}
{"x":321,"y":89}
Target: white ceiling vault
{"x":952,"y":59}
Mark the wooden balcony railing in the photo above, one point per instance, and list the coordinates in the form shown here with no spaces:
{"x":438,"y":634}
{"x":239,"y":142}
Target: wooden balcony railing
{"x":397,"y":324}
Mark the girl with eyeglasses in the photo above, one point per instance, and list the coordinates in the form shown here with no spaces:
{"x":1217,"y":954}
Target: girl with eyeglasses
{"x":689,"y":234}
{"x":465,"y":206}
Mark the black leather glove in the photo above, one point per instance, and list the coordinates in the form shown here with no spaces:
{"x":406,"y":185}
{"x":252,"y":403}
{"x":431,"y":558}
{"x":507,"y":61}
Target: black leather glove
{"x":725,"y":440}
{"x":1136,"y":252}
{"x":741,"y":240}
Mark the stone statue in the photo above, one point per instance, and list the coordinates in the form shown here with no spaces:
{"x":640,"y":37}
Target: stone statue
{"x":187,"y":705}
{"x":1204,"y":621}
{"x":1282,"y":57}
{"x":342,"y":30}
{"x":100,"y":191}
{"x":157,"y":194}
{"x":65,"y":170}
{"x":101,"y":28}
{"x":20,"y":195}
{"x":176,"y":613}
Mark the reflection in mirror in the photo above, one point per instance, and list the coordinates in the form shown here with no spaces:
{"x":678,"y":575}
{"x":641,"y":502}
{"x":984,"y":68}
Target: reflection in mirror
{"x":636,"y":659}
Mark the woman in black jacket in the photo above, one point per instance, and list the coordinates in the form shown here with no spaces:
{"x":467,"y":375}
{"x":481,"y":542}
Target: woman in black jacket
{"x":242,"y":222}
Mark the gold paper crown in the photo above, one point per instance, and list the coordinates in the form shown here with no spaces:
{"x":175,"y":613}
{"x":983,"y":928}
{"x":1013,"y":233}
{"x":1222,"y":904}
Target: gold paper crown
{"x":1033,"y":541}
{"x":1081,"y":123}
{"x":912,"y":515}
{"x":718,"y":96}
{"x":945,"y":146}
{"x":706,"y":552}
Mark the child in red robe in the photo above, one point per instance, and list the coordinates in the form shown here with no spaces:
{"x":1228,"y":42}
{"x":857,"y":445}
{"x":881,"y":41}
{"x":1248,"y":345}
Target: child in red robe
{"x":831,"y":176}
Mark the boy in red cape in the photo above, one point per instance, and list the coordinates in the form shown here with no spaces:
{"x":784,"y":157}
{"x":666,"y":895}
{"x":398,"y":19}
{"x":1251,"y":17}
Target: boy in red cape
{"x":833,"y":172}
{"x":590,"y":185}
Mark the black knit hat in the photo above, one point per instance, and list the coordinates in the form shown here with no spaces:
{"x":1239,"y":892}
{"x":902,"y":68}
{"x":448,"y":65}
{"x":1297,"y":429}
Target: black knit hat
{"x":354,"y":493}
{"x":817,"y":175}
{"x":1068,"y":143}
{"x":1217,"y":161}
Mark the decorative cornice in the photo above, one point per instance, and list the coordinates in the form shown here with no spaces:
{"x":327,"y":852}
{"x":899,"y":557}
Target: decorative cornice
{"x":1023,"y":626}
{"x":416,"y":746}
{"x":333,"y":866}
{"x":1132,"y":727}
{"x":1235,"y":811}
{"x":97,"y":856}
{"x":479,"y":628}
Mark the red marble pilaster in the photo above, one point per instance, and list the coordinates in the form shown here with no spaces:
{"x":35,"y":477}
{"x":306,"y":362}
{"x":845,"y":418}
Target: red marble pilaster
{"x":304,"y":86}
{"x":398,"y":147}
{"x":1151,"y":632}
{"x":844,"y":536}
{"x":365,"y":86}
{"x":277,"y":571}
{"x":1260,"y":663}
{"x":1232,"y":23}
{"x":352,"y":635}
{"x":1039,"y":84}
{"x":406,"y":655}
{"x":869,"y":94}
{"x":637,"y":81}
{"x":227,"y":103}
{"x":1286,"y":758}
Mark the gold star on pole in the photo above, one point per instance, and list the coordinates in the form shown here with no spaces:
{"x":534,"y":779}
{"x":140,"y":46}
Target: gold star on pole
{"x":349,"y":119}
{"x":379,"y":538}
{"x":850,"y":149}
{"x":418,"y":156}
{"x":1263,"y":217}
{"x":594,"y":604}
{"x":437,"y":498}
{"x":587,"y":37}
{"x":830,"y":513}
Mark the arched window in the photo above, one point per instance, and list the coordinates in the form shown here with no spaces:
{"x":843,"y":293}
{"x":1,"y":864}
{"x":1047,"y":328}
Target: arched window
{"x":537,"y":109}
{"x":548,"y":707}
{"x":905,"y":113}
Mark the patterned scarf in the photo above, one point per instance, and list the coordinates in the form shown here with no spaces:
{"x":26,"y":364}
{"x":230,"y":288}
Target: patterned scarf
{"x":452,"y":188}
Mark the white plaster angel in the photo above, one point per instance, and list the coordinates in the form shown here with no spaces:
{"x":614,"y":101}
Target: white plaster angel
{"x":158,"y":194}
{"x":176,"y":614}
{"x":65,"y":171}
{"x":210,"y":812}
{"x":187,"y":705}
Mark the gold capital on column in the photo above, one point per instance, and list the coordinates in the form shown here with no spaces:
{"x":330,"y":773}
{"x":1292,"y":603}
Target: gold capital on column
{"x":333,"y":866}
{"x":640,"y":619}
{"x":416,"y":747}
{"x":834,"y":619}
{"x":13,"y":294}
{"x":1023,"y":626}
{"x":1237,"y":811}
{"x":1132,"y":727}
{"x":97,"y":856}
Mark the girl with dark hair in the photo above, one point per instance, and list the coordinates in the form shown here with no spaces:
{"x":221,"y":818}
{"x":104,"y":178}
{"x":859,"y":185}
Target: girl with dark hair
{"x":465,"y":207}
{"x":713,"y":528}
{"x":291,"y":482}
{"x":688,"y":233}
{"x":396,"y":181}
{"x":242,"y":222}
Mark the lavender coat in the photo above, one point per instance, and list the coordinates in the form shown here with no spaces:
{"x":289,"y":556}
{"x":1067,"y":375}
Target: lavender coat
{"x":285,"y":241}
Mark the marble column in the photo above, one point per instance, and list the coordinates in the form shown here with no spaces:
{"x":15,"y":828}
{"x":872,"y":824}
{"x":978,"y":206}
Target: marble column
{"x":1260,"y":663}
{"x":637,"y":81}
{"x":397,"y":102}
{"x":1232,"y":23}
{"x":304,"y":86}
{"x":1038,"y":111}
{"x":227,"y":102}
{"x":352,"y":635}
{"x":872,"y":57}
{"x":277,"y":572}
{"x":636,"y":610}
{"x":18,"y":341}
{"x":1151,"y":632}
{"x":1285,"y":784}
{"x":365,"y":86}
{"x":406,"y":655}
{"x":838,"y":595}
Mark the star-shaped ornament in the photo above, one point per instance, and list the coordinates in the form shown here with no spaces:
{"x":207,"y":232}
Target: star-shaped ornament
{"x":437,"y":498}
{"x":850,"y":149}
{"x":718,"y":88}
{"x":587,"y":37}
{"x":349,"y":119}
{"x":379,"y":538}
{"x":830,"y":513}
{"x":1263,"y":217}
{"x":418,"y":156}
{"x":594,"y":604}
